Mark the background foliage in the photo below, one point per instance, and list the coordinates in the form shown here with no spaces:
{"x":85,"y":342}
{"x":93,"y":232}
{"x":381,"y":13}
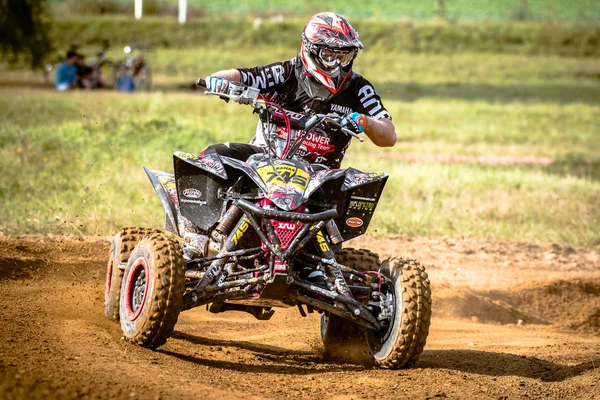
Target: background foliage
{"x":474,"y":10}
{"x":24,"y":31}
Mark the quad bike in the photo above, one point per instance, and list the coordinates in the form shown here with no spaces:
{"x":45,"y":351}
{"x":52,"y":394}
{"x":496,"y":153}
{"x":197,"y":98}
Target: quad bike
{"x":264,"y":233}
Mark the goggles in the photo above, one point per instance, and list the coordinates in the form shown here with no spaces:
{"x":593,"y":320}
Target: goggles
{"x":331,"y":58}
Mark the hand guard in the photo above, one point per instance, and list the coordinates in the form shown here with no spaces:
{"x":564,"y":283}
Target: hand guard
{"x":217,"y":84}
{"x":356,"y":122}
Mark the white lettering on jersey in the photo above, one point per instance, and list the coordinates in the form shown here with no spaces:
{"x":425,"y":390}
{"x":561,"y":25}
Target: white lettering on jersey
{"x":260,"y":81}
{"x":278,"y":73}
{"x":366,"y":96}
{"x":341,"y":109}
{"x":267,"y":78}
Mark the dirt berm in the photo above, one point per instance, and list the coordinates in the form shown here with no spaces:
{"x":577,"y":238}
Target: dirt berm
{"x":511,"y":320}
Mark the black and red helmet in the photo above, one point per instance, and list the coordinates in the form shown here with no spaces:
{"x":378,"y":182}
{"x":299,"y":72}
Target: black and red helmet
{"x":329,"y":46}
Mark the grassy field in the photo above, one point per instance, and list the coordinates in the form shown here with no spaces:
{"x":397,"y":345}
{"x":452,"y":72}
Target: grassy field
{"x":71,"y":163}
{"x":544,"y":10}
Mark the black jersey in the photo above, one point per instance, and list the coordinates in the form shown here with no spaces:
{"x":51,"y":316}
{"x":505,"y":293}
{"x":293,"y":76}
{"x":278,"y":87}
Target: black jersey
{"x":279,"y":81}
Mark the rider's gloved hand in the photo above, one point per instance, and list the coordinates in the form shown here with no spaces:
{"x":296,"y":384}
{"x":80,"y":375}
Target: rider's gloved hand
{"x":356,"y":122}
{"x":217,"y":84}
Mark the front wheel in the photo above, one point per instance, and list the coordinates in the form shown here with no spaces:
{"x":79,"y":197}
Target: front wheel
{"x":121,"y":247}
{"x":405,"y":315}
{"x":152,"y":290}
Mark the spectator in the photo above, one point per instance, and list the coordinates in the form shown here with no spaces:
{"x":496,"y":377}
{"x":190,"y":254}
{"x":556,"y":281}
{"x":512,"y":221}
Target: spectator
{"x":85,"y":78}
{"x":66,"y":74}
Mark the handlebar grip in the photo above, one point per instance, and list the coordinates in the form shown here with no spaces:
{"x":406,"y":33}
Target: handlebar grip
{"x":201,"y":82}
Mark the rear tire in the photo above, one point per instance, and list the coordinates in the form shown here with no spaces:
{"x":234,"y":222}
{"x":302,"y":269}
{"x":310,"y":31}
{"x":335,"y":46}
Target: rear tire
{"x":402,"y":343}
{"x":122,"y":245}
{"x":344,"y":340}
{"x":152,"y":290}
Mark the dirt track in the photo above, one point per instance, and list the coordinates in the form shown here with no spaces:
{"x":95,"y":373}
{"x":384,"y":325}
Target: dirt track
{"x":55,"y":341}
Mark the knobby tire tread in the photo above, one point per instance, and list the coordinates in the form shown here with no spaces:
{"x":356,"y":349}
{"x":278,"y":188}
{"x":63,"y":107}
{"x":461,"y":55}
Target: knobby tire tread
{"x":416,"y":313}
{"x":126,"y":240}
{"x":169,"y":272}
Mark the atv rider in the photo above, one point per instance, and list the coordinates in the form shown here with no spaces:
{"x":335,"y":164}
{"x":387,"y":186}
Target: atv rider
{"x":319,"y":78}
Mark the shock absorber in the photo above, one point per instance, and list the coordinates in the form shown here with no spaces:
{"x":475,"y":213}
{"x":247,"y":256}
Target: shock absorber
{"x":224,"y":226}
{"x":229,"y":219}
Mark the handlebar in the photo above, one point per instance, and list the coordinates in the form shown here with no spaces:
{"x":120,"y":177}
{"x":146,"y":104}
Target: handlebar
{"x":336,"y":119}
{"x":243,"y":94}
{"x":238,"y":92}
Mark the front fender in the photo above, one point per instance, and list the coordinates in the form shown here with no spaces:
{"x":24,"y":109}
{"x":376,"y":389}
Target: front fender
{"x":166,"y":190}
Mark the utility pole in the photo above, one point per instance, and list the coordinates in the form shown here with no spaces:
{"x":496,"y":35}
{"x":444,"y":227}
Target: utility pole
{"x":524,"y":10}
{"x":182,"y":11}
{"x":441,"y":9}
{"x":138,"y":9}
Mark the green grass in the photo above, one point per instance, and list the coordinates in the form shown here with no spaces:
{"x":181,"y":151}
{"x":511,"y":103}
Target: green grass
{"x":71,"y":163}
{"x":545,"y":10}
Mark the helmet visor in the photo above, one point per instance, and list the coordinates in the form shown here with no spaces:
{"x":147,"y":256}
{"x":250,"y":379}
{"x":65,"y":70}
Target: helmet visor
{"x":332,"y":58}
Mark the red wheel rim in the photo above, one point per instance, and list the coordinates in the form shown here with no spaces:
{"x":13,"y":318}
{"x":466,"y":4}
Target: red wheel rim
{"x":136,"y":288}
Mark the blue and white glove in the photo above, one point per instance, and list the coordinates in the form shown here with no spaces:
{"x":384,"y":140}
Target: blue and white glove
{"x":356,"y":122}
{"x":217,"y":84}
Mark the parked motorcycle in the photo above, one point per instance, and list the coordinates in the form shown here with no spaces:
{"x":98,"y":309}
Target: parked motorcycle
{"x":267,"y":232}
{"x":133,"y":73}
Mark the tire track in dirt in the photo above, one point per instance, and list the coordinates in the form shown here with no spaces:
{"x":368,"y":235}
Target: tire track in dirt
{"x":57,"y":343}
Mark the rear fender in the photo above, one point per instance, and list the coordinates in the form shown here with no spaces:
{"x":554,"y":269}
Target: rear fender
{"x":164,"y":186}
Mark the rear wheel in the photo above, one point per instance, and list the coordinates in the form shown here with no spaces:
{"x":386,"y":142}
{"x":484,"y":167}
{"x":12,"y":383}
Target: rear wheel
{"x":152,"y":290}
{"x":405,"y":315}
{"x":344,"y":340}
{"x":122,"y":245}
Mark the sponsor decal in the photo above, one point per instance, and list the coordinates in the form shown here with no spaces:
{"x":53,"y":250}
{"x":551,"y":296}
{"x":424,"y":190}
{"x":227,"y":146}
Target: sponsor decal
{"x":290,"y":226}
{"x":200,"y":202}
{"x":354,"y":222}
{"x":187,"y":156}
{"x":362,"y":198}
{"x":341,"y":109}
{"x":318,"y":142}
{"x":235,"y":238}
{"x":192,"y":193}
{"x":317,"y":147}
{"x":168,"y":182}
{"x":322,"y":242}
{"x":283,"y":175}
{"x":361,"y":205}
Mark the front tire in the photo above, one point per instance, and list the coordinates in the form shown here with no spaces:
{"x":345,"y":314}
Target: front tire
{"x":400,"y":345}
{"x":152,"y":290}
{"x":121,"y":247}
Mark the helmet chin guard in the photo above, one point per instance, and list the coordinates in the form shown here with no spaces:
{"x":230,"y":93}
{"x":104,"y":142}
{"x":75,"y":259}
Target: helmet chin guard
{"x":329,"y":47}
